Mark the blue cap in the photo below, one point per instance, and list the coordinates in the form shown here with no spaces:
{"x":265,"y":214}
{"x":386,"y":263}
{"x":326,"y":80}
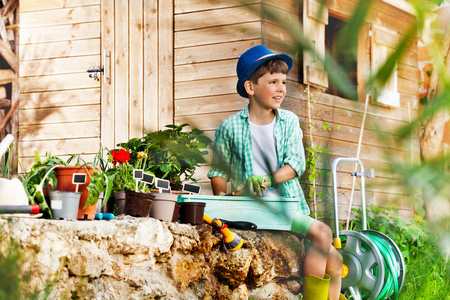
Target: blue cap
{"x":251,"y":59}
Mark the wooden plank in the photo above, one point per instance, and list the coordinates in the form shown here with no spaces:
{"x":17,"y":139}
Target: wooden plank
{"x":291,"y":6}
{"x":58,"y":65}
{"x":296,"y":90}
{"x":151,"y":64}
{"x":207,"y":87}
{"x":60,"y":16}
{"x":385,"y":36}
{"x":4,"y":103}
{"x":60,"y":147}
{"x":8,"y":55}
{"x":281,"y":16}
{"x":213,"y":52}
{"x":57,"y":82}
{"x":121,"y":62}
{"x":281,"y":37}
{"x":136,"y":84}
{"x":2,"y":92}
{"x":60,"y":131}
{"x":229,"y":33}
{"x":166,"y":46}
{"x":211,"y":104}
{"x":408,"y":72}
{"x":33,"y":5}
{"x":60,"y":98}
{"x":342,"y":116}
{"x":407,"y":86}
{"x":216,"y":69}
{"x":60,"y":33}
{"x":60,"y":49}
{"x":59,"y":115}
{"x":27,"y":162}
{"x":6,"y":76}
{"x":217,"y":17}
{"x":204,"y":122}
{"x":184,"y":6}
{"x":108,"y":80}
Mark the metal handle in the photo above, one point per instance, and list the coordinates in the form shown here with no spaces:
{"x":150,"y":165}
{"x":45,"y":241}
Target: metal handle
{"x":335,"y":195}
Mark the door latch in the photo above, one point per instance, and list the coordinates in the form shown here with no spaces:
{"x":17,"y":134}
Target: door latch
{"x":94,"y":72}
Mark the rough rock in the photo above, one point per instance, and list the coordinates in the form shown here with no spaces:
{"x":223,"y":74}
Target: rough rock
{"x":143,"y":258}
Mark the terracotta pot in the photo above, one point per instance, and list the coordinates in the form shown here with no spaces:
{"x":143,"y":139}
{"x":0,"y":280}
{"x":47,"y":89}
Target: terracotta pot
{"x":64,"y":175}
{"x":192,"y":213}
{"x":120,"y":200}
{"x":138,"y":204}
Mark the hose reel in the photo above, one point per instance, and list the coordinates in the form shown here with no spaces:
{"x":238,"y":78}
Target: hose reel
{"x":374,"y":268}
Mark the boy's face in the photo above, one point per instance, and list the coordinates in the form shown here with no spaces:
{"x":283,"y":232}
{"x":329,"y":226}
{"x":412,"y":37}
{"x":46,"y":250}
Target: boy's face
{"x":270,"y":91}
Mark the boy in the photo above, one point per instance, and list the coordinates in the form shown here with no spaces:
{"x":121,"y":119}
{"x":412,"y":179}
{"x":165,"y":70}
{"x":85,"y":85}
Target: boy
{"x":260,"y":150}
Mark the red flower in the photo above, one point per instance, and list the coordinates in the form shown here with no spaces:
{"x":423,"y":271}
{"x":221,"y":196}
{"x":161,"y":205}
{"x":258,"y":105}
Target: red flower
{"x":121,"y":156}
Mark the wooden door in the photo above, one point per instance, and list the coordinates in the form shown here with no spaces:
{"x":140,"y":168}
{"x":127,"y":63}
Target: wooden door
{"x":137,"y":57}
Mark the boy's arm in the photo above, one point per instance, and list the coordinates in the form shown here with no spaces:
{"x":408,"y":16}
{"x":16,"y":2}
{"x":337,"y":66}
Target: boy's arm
{"x":219,"y":185}
{"x":283,"y":174}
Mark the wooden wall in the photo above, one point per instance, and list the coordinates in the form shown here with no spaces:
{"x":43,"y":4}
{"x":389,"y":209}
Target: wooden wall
{"x":209,"y":38}
{"x":60,"y":104}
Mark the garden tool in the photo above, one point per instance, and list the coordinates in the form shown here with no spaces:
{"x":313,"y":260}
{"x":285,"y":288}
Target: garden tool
{"x":373,"y":266}
{"x":13,"y":209}
{"x":316,"y":288}
{"x":231,"y":240}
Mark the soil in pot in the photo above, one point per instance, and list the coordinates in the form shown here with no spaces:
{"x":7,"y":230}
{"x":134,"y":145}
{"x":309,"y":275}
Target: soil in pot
{"x":163,"y":206}
{"x":64,"y":205}
{"x":64,"y":175}
{"x":138,"y":204}
{"x":192,"y":213}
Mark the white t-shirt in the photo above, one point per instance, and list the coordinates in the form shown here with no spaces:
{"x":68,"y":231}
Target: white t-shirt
{"x":264,"y":152}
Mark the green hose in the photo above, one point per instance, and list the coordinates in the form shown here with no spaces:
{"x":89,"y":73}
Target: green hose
{"x":391,"y":286}
{"x":391,"y":265}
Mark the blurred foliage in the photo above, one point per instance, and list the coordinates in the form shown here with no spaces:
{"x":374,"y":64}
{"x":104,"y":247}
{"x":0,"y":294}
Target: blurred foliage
{"x":427,"y":183}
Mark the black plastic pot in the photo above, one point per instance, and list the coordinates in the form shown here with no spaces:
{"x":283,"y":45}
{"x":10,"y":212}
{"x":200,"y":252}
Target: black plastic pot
{"x":138,"y":204}
{"x":192,"y":212}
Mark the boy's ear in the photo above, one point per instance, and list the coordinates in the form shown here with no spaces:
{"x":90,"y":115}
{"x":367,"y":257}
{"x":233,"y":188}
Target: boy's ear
{"x":248,"y":85}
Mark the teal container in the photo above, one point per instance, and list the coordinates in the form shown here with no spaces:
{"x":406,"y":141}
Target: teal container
{"x":270,"y":213}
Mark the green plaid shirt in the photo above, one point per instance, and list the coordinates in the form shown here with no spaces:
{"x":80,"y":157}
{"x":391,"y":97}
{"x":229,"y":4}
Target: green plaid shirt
{"x":232,"y":158}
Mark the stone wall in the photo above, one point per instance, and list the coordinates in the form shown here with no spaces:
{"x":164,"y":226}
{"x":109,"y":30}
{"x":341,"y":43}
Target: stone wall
{"x":143,"y":258}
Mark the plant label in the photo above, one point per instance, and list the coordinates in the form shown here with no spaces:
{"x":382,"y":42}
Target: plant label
{"x":138,"y":174}
{"x":166,"y":191}
{"x":148,"y":178}
{"x":79,"y":178}
{"x":162,"y":184}
{"x":56,"y":204}
{"x":191,"y":188}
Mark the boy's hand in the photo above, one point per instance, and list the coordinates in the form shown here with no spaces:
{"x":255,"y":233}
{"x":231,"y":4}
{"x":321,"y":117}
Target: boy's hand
{"x":255,"y":185}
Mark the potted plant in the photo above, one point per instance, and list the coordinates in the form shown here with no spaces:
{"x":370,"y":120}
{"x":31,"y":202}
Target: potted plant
{"x":132,"y":198}
{"x":40,"y":179}
{"x":43,"y":176}
{"x":172,"y":154}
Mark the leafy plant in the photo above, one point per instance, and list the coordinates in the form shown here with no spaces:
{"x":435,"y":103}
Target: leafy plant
{"x":410,"y":238}
{"x":122,"y":170}
{"x":41,"y":175}
{"x":5,"y":170}
{"x":172,"y":154}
